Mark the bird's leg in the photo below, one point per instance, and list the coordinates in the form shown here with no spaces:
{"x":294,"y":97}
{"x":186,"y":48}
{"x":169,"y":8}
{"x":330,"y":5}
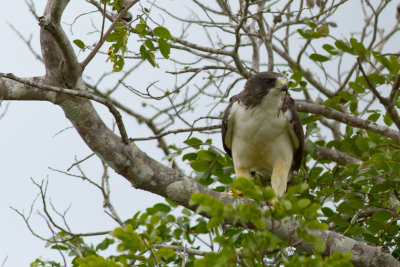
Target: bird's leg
{"x":242,"y":172}
{"x":279,"y":177}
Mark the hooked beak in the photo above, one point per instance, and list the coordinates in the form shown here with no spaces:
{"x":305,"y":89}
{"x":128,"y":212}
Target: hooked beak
{"x":285,"y":87}
{"x":282,"y":84}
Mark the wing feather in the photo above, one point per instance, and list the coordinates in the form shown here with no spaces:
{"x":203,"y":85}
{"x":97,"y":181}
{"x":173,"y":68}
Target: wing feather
{"x":295,"y":129}
{"x":227,"y":126}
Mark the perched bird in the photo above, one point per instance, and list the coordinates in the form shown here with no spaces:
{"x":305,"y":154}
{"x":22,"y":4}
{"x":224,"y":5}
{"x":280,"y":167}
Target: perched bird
{"x":262,"y":131}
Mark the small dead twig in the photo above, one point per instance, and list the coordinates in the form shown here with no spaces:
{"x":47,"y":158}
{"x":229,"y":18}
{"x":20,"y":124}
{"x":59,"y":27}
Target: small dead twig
{"x":5,"y":110}
{"x":80,"y":161}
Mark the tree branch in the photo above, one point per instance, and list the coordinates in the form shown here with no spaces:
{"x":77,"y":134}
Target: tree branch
{"x":347,"y":119}
{"x":56,"y":47}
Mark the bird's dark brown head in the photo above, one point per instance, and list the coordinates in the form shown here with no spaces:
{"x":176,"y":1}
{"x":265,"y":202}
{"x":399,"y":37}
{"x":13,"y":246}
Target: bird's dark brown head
{"x":259,"y":85}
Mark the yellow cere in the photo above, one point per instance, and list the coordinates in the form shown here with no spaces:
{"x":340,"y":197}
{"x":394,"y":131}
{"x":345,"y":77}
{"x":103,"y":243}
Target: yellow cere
{"x":282,"y":81}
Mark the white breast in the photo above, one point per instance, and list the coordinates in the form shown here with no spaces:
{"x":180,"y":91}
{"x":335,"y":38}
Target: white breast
{"x":260,"y":135}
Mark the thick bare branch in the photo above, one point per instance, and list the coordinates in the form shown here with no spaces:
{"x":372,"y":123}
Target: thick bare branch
{"x":13,"y":90}
{"x":59,"y":56}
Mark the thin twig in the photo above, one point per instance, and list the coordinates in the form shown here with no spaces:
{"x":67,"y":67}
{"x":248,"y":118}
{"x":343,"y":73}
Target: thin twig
{"x":80,"y":161}
{"x":55,"y":238}
{"x":194,"y":129}
{"x":5,"y":110}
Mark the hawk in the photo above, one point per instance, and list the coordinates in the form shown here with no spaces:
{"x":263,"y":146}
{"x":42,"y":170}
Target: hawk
{"x":262,"y":131}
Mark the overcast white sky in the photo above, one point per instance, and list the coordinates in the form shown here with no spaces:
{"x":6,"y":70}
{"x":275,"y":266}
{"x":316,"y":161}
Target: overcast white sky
{"x":28,"y":146}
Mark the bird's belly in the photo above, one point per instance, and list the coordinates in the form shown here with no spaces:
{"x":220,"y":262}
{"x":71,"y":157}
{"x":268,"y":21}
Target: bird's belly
{"x":261,"y":139}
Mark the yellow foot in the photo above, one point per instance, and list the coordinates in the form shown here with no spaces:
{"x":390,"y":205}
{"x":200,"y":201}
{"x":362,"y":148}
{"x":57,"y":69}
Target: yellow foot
{"x":234,"y":193}
{"x":272,"y":202}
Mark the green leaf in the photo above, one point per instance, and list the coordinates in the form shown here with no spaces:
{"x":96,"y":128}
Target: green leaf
{"x":206,"y":155}
{"x":374,"y":226}
{"x":374,"y":117}
{"x":328,"y":212}
{"x":162,"y":207}
{"x":324,"y":30}
{"x":194,"y":142}
{"x":79,"y":43}
{"x":303,"y":203}
{"x":268,"y":193}
{"x":297,"y":76}
{"x":355,"y":230}
{"x":370,"y":238}
{"x":376,"y":138}
{"x":105,"y":244}
{"x":200,"y":165}
{"x":384,"y":61}
{"x":395,"y":63}
{"x":212,"y":206}
{"x":349,"y":207}
{"x":186,"y":212}
{"x":362,"y":144}
{"x":189,"y":156}
{"x":119,"y":63}
{"x":140,"y":28}
{"x":162,"y":33}
{"x":343,"y":46}
{"x":319,"y":57}
{"x":333,"y":102}
{"x":113,"y":37}
{"x":347,"y":96}
{"x":376,"y":78}
{"x":225,"y":179}
{"x":164,"y":48}
{"x":349,"y":131}
{"x":165,"y":252}
{"x":306,"y":34}
{"x":151,"y":58}
{"x":94,"y":260}
{"x":394,"y":229}
{"x":247,"y":187}
{"x":387,"y":120}
{"x":356,"y":87}
{"x":353,"y":107}
{"x":150,"y":45}
{"x":143,"y":51}
{"x":250,"y":213}
{"x":358,"y":47}
{"x":330,"y":49}
{"x":339,"y":221}
{"x":382,"y":216}
{"x":59,"y":247}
